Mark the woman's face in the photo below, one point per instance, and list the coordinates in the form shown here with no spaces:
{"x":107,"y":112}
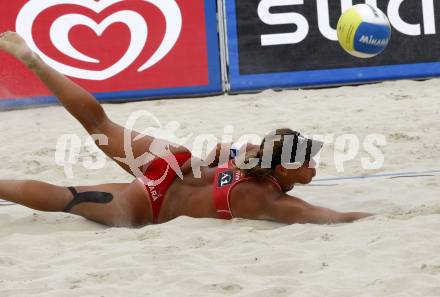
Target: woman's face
{"x":305,"y":173}
{"x":289,"y":177}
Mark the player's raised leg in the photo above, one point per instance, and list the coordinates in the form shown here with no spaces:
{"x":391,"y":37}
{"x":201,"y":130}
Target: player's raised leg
{"x":81,"y":104}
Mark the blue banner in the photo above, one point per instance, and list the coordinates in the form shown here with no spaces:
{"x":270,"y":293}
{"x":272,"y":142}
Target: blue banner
{"x":292,"y":44}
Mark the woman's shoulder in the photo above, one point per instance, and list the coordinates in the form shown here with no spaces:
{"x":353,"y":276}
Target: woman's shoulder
{"x":254,"y":187}
{"x":249,"y":199}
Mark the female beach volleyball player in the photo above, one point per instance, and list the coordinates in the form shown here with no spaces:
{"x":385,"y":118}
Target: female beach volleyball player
{"x":221,"y":192}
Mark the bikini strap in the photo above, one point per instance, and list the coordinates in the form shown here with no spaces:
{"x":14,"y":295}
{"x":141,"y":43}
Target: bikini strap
{"x":274,"y":181}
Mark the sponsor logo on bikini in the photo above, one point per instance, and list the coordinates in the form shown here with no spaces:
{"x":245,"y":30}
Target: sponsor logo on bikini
{"x":153,"y":193}
{"x":225,"y":178}
{"x":238,"y":175}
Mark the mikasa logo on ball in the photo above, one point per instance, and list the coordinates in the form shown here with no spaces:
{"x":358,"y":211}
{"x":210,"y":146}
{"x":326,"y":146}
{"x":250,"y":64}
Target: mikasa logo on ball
{"x":370,"y":40}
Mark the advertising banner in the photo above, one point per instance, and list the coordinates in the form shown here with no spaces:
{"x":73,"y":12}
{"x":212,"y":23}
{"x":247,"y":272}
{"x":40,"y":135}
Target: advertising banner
{"x":116,"y":49}
{"x":293,"y":43}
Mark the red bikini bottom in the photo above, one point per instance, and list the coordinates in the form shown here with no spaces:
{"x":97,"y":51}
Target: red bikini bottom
{"x":157,"y":170}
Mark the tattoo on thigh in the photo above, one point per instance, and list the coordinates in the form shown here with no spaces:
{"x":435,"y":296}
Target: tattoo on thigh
{"x":93,"y":197}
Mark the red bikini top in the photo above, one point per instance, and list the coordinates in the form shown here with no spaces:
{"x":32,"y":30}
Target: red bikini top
{"x":226,"y":178}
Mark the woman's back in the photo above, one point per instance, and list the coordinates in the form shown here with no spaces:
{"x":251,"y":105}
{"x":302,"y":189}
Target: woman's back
{"x":194,"y":196}
{"x":190,"y":196}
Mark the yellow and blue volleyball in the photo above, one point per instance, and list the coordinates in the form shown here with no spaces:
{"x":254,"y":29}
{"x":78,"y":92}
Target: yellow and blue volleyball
{"x":363,"y":31}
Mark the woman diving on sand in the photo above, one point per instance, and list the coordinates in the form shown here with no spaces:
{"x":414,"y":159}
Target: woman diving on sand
{"x":223,"y":190}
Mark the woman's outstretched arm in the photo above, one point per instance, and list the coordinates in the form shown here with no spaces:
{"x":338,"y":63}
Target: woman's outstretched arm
{"x":288,"y":209}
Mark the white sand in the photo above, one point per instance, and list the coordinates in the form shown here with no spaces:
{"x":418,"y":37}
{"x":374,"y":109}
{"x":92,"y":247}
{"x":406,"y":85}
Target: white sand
{"x":396,"y":253}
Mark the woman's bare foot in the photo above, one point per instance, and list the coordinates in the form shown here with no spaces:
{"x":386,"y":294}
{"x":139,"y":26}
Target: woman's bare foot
{"x":13,"y":44}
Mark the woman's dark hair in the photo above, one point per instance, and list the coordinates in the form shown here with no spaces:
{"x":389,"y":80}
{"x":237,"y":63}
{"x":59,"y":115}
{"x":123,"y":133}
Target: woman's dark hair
{"x":270,"y":152}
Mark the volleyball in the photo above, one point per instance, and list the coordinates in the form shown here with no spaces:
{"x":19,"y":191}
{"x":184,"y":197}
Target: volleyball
{"x":363,"y":31}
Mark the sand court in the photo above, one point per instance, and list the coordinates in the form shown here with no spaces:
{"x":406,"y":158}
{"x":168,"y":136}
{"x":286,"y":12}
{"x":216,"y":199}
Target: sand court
{"x":394,"y":253}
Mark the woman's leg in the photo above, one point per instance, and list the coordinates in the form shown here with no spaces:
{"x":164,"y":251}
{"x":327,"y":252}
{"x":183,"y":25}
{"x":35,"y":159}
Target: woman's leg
{"x":79,"y":103}
{"x":121,"y":205}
